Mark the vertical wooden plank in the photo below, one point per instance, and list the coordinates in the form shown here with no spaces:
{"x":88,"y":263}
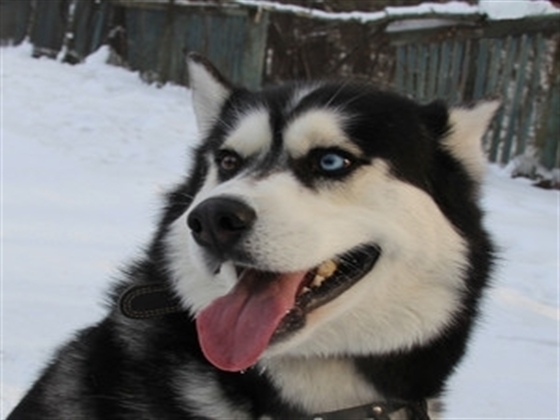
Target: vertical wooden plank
{"x":443,"y":72}
{"x":547,"y":140}
{"x":422,"y":60}
{"x":494,"y":66}
{"x":550,"y":154}
{"x":495,"y":59}
{"x":254,"y":50}
{"x":511,"y":51}
{"x":432,"y":72}
{"x":49,"y":26}
{"x":401,"y":63}
{"x":481,"y":66}
{"x":15,"y":19}
{"x":456,"y":60}
{"x":464,"y":77}
{"x":410,"y":70}
{"x":89,"y":29}
{"x":516,"y":104}
{"x":539,"y":50}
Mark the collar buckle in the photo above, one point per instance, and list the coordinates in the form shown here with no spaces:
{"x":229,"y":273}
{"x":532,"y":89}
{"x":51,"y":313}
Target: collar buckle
{"x":415,"y":410}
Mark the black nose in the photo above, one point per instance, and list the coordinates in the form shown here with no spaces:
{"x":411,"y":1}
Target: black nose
{"x":218,"y":223}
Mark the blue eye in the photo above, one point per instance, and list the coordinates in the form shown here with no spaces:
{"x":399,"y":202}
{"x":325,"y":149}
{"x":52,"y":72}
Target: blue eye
{"x":333,"y":162}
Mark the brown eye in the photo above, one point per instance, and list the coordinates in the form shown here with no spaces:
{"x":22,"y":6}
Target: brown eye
{"x":228,"y":161}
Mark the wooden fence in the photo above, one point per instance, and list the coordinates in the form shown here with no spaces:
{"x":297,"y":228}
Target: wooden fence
{"x":513,"y":69}
{"x":465,"y":59}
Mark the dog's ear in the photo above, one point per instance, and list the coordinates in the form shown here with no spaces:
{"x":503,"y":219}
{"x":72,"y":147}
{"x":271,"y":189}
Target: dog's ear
{"x":466,"y":129}
{"x":210,"y":90}
{"x":460,"y":131}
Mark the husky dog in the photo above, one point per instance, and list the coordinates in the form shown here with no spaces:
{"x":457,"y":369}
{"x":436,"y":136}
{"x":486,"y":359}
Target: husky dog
{"x":324,"y":258}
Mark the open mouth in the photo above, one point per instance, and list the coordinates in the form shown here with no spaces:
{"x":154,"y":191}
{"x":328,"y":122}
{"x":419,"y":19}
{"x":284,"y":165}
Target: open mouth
{"x":325,"y":283}
{"x":266,"y":307}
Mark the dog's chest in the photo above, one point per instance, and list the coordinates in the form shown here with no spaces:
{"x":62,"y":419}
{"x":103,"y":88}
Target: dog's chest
{"x":317,"y":385}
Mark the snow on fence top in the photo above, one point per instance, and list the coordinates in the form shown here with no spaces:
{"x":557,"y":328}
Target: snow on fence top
{"x":489,"y":9}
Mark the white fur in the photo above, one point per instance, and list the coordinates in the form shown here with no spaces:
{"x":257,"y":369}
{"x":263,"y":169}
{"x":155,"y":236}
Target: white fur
{"x":317,"y":128}
{"x":468,"y":125}
{"x":299,"y":94}
{"x":199,"y":389}
{"x":408,"y":297}
{"x":251,"y":134}
{"x":208,"y":93}
{"x":319,"y":385}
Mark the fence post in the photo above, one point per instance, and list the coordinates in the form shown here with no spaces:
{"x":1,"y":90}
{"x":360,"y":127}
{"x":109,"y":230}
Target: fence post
{"x":14,"y":21}
{"x":548,"y":134}
{"x":49,"y":27}
{"x":89,"y":29}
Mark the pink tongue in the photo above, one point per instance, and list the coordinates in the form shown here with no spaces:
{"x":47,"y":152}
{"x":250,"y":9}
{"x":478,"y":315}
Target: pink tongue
{"x":235,"y":329}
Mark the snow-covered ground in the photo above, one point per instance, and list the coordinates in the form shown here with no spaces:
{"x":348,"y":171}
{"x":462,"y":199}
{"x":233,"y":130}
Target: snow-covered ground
{"x":88,"y":150}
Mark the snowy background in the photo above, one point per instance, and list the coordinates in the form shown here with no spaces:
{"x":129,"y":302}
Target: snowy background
{"x":87,"y":152}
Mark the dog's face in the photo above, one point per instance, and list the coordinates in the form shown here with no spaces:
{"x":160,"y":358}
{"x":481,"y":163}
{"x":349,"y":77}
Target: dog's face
{"x":316,"y":227}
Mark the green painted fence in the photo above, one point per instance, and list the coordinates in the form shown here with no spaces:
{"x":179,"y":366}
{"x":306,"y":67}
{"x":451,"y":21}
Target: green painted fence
{"x":511,"y":69}
{"x":157,"y":36}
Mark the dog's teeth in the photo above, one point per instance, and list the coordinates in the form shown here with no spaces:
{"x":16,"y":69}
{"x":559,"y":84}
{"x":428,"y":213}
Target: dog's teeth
{"x":317,"y":280}
{"x":326,"y":269}
{"x":305,"y":290}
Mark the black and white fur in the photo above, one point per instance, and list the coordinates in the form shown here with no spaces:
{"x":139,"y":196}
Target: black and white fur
{"x":411,"y":186}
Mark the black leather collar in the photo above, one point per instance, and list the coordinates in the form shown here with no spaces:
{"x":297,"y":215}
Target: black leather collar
{"x":148,"y":301}
{"x":417,"y":410}
{"x":154,"y":300}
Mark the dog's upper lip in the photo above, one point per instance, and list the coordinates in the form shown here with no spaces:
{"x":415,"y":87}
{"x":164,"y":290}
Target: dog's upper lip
{"x":263,"y":306}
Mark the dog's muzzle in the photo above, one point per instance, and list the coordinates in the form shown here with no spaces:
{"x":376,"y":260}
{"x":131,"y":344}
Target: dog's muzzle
{"x":218,"y":224}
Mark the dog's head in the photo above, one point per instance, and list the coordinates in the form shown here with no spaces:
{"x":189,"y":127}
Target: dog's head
{"x":324,"y":219}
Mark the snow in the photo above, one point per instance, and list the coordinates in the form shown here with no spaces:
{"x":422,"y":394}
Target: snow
{"x":493,"y":9}
{"x":516,"y":9}
{"x":87,"y":152}
{"x":447,"y":9}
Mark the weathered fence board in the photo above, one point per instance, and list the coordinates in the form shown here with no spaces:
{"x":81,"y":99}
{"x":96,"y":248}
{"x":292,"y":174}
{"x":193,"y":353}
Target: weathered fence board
{"x":233,"y":38}
{"x":14,"y":20}
{"x":49,"y":27}
{"x":475,"y":69}
{"x":90,"y":27}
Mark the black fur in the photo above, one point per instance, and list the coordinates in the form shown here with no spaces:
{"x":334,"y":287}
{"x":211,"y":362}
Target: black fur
{"x":124,"y":369}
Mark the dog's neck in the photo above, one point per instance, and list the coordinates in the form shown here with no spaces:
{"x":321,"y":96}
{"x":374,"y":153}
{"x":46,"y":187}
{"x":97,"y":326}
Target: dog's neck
{"x":312,"y":382}
{"x":332,"y":389}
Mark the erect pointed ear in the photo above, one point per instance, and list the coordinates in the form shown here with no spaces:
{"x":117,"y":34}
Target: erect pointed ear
{"x":210,"y":90}
{"x":466,"y":128}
